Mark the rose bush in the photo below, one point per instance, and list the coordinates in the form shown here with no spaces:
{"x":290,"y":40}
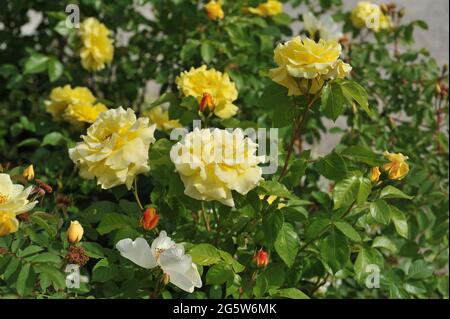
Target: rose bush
{"x":166,"y":193}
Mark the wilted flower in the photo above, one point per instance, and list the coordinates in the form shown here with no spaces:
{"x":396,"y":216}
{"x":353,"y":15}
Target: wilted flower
{"x":97,"y":49}
{"x":115,"y":148}
{"x":261,"y":258}
{"x":150,"y":219}
{"x":77,"y":255}
{"x":218,"y":85}
{"x":301,"y":60}
{"x":324,"y":27}
{"x":75,"y":232}
{"x":164,"y":252}
{"x":268,"y":8}
{"x":397,"y":168}
{"x":213,"y":163}
{"x":214,"y":10}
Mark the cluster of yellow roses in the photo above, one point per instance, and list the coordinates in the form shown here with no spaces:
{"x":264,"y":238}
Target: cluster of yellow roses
{"x":267,"y":9}
{"x":75,"y":105}
{"x":396,"y":169}
{"x":370,"y":15}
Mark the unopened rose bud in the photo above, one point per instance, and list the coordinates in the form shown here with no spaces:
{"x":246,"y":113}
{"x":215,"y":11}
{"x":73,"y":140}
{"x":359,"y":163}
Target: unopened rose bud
{"x":165,"y":279}
{"x":261,"y":258}
{"x":384,"y":8}
{"x":207,"y":101}
{"x":28,"y":173}
{"x":75,"y":232}
{"x":375,"y":174}
{"x":150,"y":219}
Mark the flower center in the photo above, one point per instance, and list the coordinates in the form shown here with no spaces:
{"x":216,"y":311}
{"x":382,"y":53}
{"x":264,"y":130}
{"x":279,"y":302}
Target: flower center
{"x":3,"y":199}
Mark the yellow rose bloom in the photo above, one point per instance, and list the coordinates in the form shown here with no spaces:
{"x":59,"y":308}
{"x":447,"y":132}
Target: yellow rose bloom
{"x":83,"y":112}
{"x":200,"y":81}
{"x":375,"y":174}
{"x":302,"y":60}
{"x":97,"y":47}
{"x":213,"y":163}
{"x":397,"y":168}
{"x":115,"y":148}
{"x":159,"y":116}
{"x":13,"y":197}
{"x":268,"y":8}
{"x":62,"y":97}
{"x":370,"y":15}
{"x":8,"y":223}
{"x":214,"y":10}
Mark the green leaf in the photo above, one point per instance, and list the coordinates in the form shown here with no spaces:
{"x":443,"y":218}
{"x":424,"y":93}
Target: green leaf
{"x":345,"y":192}
{"x":53,"y":274}
{"x":384,"y":242}
{"x":53,"y":138}
{"x":205,"y":254}
{"x":332,"y":166}
{"x":219,"y":274}
{"x":11,"y":268}
{"x":237,"y":267}
{"x":380,"y":211}
{"x":419,"y":269}
{"x":110,"y":222}
{"x":365,"y":187}
{"x":291,"y":293}
{"x":36,"y":63}
{"x":102,"y":271}
{"x":399,"y":220}
{"x":272,"y":224}
{"x":260,"y":287}
{"x":275,"y":188}
{"x":207,"y":51}
{"x":21,"y":284}
{"x":287,"y":244}
{"x":317,"y":227}
{"x":366,"y":258}
{"x":362,"y":154}
{"x":348,"y":230}
{"x":93,"y":250}
{"x":354,"y":91}
{"x":38,"y":220}
{"x":335,"y":251}
{"x":30,"y":250}
{"x":55,"y":69}
{"x":44,"y":258}
{"x":332,"y":100}
{"x":393,"y":192}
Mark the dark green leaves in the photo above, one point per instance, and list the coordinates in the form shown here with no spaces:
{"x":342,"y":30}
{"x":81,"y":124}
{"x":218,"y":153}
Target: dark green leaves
{"x":287,"y":244}
{"x":354,"y":91}
{"x":332,"y":166}
{"x":349,"y":190}
{"x":380,"y":211}
{"x":335,"y":251}
{"x":332,"y":100}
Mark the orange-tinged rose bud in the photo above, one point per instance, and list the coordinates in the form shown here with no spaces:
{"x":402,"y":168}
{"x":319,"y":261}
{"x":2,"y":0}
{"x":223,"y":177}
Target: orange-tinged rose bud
{"x":375,"y":174}
{"x":28,"y":173}
{"x":214,"y":10}
{"x":150,"y":219}
{"x":75,"y":232}
{"x":261,"y":258}
{"x":207,"y":101}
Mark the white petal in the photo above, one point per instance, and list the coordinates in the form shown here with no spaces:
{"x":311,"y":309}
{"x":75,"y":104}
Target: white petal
{"x":162,"y":242}
{"x":187,"y":280}
{"x":137,"y":251}
{"x":175,"y":259}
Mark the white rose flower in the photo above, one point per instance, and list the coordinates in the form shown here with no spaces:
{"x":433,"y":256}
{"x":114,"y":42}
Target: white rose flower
{"x":324,"y":26}
{"x":164,"y":252}
{"x":213,"y":163}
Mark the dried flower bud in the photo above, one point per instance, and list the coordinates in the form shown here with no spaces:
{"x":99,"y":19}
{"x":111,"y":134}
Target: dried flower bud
{"x":44,"y":185}
{"x":77,"y":255}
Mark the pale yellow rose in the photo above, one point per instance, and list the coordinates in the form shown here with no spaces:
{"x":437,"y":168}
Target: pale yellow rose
{"x":115,"y":148}
{"x":397,"y":168}
{"x":160,"y":116}
{"x":97,"y":46}
{"x":62,"y":97}
{"x":367,"y":14}
{"x":200,"y":81}
{"x":214,"y":10}
{"x":83,"y":112}
{"x":8,"y":223}
{"x":302,"y":60}
{"x":213,"y":163}
{"x":268,"y":8}
{"x":75,"y":232}
{"x":13,"y":197}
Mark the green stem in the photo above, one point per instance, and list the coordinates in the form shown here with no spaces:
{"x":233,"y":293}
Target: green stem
{"x":136,"y":195}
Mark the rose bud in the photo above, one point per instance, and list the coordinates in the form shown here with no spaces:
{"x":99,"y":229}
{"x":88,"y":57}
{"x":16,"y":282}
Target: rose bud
{"x":28,"y":173}
{"x":261,"y":258}
{"x":150,"y":219}
{"x":207,"y":101}
{"x":75,"y":232}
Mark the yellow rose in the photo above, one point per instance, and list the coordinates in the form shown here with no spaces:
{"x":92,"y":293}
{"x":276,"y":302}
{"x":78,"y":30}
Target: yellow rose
{"x":97,"y":47}
{"x":28,"y":173}
{"x":75,"y":232}
{"x":268,"y":8}
{"x":302,"y":60}
{"x":159,"y":116}
{"x":13,"y":197}
{"x":213,"y":163}
{"x":200,"y":81}
{"x":214,"y":10}
{"x":370,"y":15}
{"x":375,"y":174}
{"x":8,"y":223}
{"x":115,"y":148}
{"x":397,"y":168}
{"x":83,"y":112}
{"x":62,"y":97}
